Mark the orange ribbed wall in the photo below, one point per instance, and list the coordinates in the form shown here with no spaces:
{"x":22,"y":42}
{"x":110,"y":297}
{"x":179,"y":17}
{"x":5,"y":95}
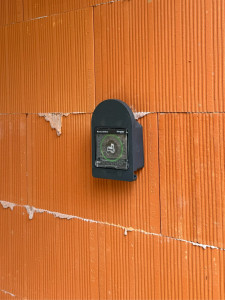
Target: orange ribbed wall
{"x":67,"y":235}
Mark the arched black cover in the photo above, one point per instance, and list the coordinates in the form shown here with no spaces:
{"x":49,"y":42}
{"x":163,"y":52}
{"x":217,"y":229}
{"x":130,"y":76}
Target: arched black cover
{"x":115,"y":114}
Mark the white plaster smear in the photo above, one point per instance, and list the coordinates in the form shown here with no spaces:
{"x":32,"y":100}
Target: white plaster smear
{"x":6,"y":204}
{"x":141,"y":114}
{"x":55,"y":119}
{"x":7,"y":293}
{"x":31,"y":210}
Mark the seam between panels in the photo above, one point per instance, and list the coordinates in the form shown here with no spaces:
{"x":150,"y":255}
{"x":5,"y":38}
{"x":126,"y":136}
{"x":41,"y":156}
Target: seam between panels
{"x":160,"y":206}
{"x":59,"y":13}
{"x":31,"y":210}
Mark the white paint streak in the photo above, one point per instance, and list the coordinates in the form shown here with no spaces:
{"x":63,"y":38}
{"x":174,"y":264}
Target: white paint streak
{"x":31,"y":210}
{"x":8,"y":293}
{"x":200,"y":245}
{"x":38,"y":18}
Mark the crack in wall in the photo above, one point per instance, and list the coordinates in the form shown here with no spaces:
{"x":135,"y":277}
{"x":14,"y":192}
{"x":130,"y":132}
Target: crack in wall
{"x":31,"y":210}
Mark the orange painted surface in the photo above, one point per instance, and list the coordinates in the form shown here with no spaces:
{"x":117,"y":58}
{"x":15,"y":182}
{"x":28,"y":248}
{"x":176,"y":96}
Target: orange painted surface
{"x":192,"y":176}
{"x":91,"y":238}
{"x":163,"y":56}
{"x":48,"y":64}
{"x":13,"y":158}
{"x":11,"y":11}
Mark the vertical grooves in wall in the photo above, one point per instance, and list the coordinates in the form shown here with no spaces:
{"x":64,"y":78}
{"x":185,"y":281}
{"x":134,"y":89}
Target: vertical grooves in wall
{"x":48,"y":64}
{"x":184,"y":63}
{"x":13,"y":163}
{"x":191,"y":176}
{"x":160,"y":205}
{"x":157,"y":56}
{"x":125,"y":62}
{"x":11,"y":11}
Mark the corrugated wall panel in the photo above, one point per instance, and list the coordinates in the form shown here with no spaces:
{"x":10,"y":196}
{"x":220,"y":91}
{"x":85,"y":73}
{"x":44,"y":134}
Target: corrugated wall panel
{"x":159,"y":56}
{"x":159,"y":268}
{"x":192,"y":176}
{"x":164,"y":56}
{"x":124,"y":53}
{"x":13,"y":158}
{"x":48,"y":64}
{"x":11,"y":11}
{"x":59,"y":175}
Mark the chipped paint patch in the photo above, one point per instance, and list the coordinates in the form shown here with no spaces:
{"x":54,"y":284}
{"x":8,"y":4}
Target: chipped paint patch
{"x":31,"y":210}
